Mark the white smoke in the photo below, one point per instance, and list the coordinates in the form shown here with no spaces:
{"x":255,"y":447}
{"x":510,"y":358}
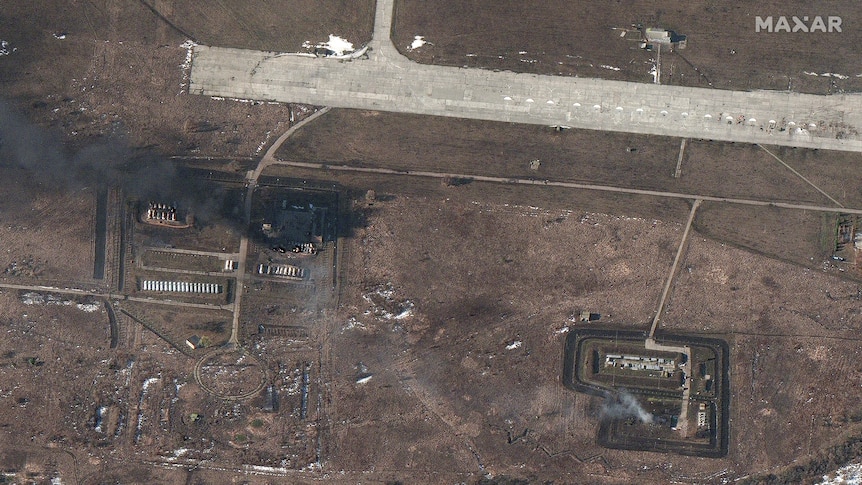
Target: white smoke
{"x":624,"y":405}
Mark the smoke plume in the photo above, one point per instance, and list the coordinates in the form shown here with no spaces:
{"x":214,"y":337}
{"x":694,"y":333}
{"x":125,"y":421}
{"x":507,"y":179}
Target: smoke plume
{"x":103,"y":162}
{"x":624,"y":405}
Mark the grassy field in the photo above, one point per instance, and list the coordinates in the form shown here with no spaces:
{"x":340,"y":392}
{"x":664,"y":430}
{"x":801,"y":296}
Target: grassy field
{"x":800,"y":237}
{"x":836,"y":173}
{"x":583,"y":39}
{"x":281,"y":25}
{"x":507,"y":150}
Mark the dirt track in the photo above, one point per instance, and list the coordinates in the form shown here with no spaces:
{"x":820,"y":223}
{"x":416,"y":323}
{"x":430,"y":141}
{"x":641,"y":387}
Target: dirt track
{"x":570,"y":185}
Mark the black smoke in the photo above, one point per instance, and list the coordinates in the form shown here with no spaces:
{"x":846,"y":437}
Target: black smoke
{"x":50,"y":164}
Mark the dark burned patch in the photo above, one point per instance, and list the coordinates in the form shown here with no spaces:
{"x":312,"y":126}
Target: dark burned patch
{"x":27,"y":267}
{"x":212,"y":326}
{"x":770,"y":283}
{"x":456,"y":181}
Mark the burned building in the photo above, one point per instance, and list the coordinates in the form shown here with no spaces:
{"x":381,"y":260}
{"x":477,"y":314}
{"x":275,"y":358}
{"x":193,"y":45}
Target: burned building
{"x":162,"y":214}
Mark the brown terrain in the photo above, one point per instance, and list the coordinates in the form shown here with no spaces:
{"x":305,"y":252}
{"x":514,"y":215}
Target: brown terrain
{"x":425,"y":344}
{"x":583,"y":39}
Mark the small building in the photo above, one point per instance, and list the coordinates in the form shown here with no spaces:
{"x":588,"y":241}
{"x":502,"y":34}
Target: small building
{"x":194,"y":342}
{"x":664,"y":37}
{"x":270,"y":400}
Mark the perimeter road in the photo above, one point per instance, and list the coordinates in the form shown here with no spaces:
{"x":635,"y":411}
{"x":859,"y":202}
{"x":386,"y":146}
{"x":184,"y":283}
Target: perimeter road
{"x":571,"y":185}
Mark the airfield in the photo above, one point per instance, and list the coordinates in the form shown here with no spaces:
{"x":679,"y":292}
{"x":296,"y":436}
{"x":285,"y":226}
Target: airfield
{"x":378,"y":77}
{"x":207,"y":290}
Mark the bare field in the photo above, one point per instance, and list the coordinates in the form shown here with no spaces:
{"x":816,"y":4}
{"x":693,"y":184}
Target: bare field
{"x":838,"y":174}
{"x":507,"y":150}
{"x":490,"y":343}
{"x":282,"y":25}
{"x":805,"y":238}
{"x":732,"y":290}
{"x":117,"y":75}
{"x":182,"y":323}
{"x":39,"y":242}
{"x":583,"y":39}
{"x":212,"y":235}
{"x":155,"y":259}
{"x":483,"y":148}
{"x":489,"y":290}
{"x":792,"y":331}
{"x":550,"y":198}
{"x":744,"y":171}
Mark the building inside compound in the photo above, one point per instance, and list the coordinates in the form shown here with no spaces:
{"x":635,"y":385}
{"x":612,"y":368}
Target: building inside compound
{"x":666,"y":366}
{"x":283,"y":270}
{"x":181,"y":287}
{"x":162,"y":214}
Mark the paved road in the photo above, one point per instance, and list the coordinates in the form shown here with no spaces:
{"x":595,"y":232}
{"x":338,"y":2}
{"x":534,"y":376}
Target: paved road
{"x":240,"y":283}
{"x":387,"y":81}
{"x":682,"y":422}
{"x":251,"y":184}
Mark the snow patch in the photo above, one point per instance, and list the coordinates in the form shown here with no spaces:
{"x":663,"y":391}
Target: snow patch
{"x":338,"y":45}
{"x":514,"y":345}
{"x":263,"y":143}
{"x":418,"y":41}
{"x":5,"y":49}
{"x":384,"y":306}
{"x":88,"y":307}
{"x":352,"y":323}
{"x":33,"y":298}
{"x":148,"y":383}
{"x":185,"y":67}
{"x":828,"y":74}
{"x":265,"y":469}
{"x":850,"y":474}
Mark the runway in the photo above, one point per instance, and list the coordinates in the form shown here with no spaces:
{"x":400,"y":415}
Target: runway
{"x":385,"y":80}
